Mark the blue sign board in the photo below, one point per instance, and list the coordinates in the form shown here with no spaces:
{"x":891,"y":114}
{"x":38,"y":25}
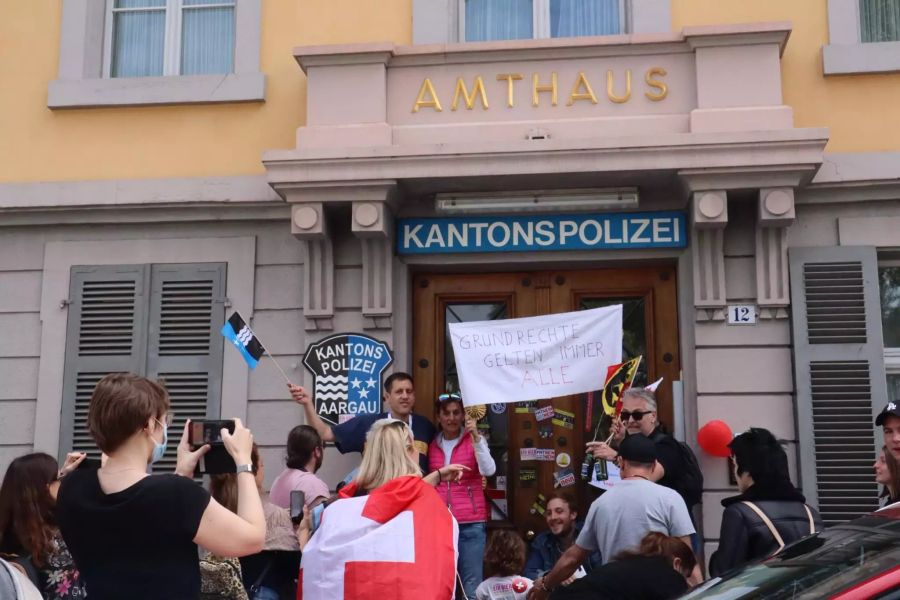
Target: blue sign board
{"x":541,"y":233}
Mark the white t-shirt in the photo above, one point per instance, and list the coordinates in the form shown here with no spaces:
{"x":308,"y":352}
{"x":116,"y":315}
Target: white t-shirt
{"x":619,"y":519}
{"x":514,"y":587}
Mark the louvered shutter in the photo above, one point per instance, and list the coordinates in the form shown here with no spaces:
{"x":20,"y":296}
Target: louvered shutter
{"x":106,"y":333}
{"x":187,"y":310}
{"x":839,"y":370}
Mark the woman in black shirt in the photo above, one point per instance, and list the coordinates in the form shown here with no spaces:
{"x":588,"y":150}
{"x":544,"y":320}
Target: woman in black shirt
{"x":135,"y":535}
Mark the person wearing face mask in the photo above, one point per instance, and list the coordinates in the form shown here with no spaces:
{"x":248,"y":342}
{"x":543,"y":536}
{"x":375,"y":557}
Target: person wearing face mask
{"x":465,"y":498}
{"x":769,"y":513}
{"x":135,"y":535}
{"x":563,"y":528}
{"x":305,"y":450}
{"x":29,"y":535}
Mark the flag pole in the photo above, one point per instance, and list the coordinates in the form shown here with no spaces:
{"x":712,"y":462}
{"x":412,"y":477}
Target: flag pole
{"x":280,"y":370}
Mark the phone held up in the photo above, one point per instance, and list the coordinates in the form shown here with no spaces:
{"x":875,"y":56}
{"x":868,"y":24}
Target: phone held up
{"x":217,"y":461}
{"x":298,"y":499}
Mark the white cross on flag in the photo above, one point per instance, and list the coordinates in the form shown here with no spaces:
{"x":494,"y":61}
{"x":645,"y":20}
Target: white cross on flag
{"x":397,"y":543}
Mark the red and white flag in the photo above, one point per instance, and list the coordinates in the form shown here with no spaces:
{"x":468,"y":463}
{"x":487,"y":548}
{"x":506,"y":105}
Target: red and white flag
{"x":399,"y":542}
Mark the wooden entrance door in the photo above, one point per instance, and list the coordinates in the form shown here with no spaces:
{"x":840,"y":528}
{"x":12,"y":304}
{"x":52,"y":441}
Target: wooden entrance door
{"x":650,"y":323}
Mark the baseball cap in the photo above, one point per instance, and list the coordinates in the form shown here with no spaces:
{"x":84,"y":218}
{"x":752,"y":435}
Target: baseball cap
{"x":638,"y":448}
{"x":891,"y":410}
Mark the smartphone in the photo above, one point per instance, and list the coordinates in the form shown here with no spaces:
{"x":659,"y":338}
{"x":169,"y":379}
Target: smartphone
{"x":209,"y":432}
{"x":217,"y":460}
{"x":298,"y":499}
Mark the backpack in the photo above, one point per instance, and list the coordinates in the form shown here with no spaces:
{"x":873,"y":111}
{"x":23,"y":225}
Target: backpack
{"x":690,"y":484}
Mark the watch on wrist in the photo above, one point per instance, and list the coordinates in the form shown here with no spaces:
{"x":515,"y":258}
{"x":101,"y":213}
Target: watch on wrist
{"x":244,"y":469}
{"x":543,"y":586}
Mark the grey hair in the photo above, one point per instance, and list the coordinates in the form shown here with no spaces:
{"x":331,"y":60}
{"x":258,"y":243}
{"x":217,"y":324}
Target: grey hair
{"x":642,"y":393}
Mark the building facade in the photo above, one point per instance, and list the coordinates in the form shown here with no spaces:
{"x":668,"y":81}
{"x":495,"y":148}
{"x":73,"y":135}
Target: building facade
{"x":729,"y":172}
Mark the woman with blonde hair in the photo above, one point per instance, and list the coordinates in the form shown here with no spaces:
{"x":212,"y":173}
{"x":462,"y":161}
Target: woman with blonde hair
{"x":371,"y":514}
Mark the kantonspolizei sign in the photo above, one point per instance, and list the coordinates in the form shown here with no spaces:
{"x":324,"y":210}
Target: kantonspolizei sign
{"x":539,"y":233}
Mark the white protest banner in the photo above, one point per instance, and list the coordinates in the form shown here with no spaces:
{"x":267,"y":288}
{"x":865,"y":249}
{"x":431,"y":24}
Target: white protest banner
{"x":533,"y":358}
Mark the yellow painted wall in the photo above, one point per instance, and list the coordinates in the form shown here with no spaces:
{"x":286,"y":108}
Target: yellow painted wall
{"x":862,"y":112}
{"x":37,"y":144}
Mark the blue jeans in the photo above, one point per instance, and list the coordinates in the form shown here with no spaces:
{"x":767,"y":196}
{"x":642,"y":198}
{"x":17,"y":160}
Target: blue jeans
{"x":265,"y":593}
{"x":471,"y":556}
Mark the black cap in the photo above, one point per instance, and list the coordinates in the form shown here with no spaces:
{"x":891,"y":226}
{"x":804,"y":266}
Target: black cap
{"x":638,"y":448}
{"x":891,"y":410}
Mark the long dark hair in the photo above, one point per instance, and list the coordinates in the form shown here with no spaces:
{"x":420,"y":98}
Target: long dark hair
{"x":670,"y":548}
{"x":27,"y":523}
{"x":301,"y":443}
{"x":892,"y":489}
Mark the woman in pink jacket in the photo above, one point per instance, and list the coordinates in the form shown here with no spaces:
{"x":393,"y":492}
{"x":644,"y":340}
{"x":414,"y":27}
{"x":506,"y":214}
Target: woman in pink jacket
{"x":456,"y":445}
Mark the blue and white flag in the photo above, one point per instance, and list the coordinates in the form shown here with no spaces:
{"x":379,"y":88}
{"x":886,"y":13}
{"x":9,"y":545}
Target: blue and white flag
{"x":239,"y":333}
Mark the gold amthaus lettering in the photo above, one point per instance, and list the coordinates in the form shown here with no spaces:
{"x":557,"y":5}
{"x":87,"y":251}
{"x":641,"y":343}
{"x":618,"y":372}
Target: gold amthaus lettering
{"x":462,"y":90}
{"x":655,"y":83}
{"x":588,"y":93}
{"x":421,"y":101}
{"x":537,"y":89}
{"x":509,"y":78}
{"x":610,"y":87}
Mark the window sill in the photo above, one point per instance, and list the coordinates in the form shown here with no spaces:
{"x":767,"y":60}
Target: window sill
{"x":150,"y":91}
{"x":848,"y":59}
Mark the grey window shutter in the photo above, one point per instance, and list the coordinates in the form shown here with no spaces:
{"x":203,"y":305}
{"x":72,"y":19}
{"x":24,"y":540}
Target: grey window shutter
{"x":106,"y":333}
{"x":187,"y":310}
{"x":839,"y":371}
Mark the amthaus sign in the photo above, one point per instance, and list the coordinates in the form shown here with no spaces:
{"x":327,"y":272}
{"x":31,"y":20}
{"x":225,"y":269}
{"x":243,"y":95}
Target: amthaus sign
{"x":530,"y":233}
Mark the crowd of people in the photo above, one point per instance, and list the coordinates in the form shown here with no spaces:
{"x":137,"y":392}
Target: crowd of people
{"x":108,"y":529}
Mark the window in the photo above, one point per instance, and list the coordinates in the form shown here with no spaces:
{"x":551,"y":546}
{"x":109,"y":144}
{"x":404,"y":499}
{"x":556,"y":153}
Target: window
{"x":863,"y":37}
{"x":161,"y":321}
{"x":889,"y":279}
{"x":489,"y":20}
{"x":879,"y":20}
{"x":158,"y":52}
{"x":147,"y":38}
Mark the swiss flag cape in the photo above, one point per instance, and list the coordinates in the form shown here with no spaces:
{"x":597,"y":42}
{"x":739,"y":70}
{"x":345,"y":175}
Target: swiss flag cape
{"x":397,"y":543}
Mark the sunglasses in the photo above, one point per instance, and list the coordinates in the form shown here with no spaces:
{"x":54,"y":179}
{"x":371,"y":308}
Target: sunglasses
{"x":453,"y":396}
{"x":636,"y":415}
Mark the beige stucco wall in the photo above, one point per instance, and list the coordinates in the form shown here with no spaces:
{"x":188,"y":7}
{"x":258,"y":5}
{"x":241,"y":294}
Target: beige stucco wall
{"x":204,"y":140}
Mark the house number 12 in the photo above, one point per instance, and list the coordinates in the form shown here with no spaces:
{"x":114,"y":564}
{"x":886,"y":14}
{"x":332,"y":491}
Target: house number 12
{"x":742,"y":314}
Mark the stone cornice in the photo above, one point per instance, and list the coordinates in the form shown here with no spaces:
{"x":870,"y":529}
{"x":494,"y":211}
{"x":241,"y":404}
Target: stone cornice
{"x":798,"y":149}
{"x":523,"y":50}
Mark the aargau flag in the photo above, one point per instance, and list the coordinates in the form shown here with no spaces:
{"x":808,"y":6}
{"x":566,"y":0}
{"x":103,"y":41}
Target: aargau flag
{"x":397,"y":543}
{"x":533,"y":358}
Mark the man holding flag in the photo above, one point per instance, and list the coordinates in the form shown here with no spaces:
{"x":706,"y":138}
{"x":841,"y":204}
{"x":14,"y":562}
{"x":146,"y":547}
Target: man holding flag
{"x":676,"y":467}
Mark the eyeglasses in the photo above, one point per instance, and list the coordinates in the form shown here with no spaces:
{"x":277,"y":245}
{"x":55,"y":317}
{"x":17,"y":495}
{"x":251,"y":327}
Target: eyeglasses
{"x":170,"y":418}
{"x":636,"y":415}
{"x":452,"y":396}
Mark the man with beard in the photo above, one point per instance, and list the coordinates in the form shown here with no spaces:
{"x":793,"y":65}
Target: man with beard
{"x":305,"y":450}
{"x":563,"y":528}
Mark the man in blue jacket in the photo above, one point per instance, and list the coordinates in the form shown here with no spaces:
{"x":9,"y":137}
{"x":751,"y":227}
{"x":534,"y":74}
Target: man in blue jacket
{"x":563,"y":528}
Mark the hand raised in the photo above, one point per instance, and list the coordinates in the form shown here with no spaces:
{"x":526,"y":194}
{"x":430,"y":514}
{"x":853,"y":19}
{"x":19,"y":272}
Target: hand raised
{"x":299,"y":394}
{"x":238,"y":444}
{"x":187,"y":458}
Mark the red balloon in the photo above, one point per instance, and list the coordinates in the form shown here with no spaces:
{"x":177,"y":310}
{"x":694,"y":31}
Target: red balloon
{"x":714,"y":438}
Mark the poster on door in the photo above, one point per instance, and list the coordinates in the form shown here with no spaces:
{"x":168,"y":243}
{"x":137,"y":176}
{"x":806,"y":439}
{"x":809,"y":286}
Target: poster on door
{"x":548,"y":356}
